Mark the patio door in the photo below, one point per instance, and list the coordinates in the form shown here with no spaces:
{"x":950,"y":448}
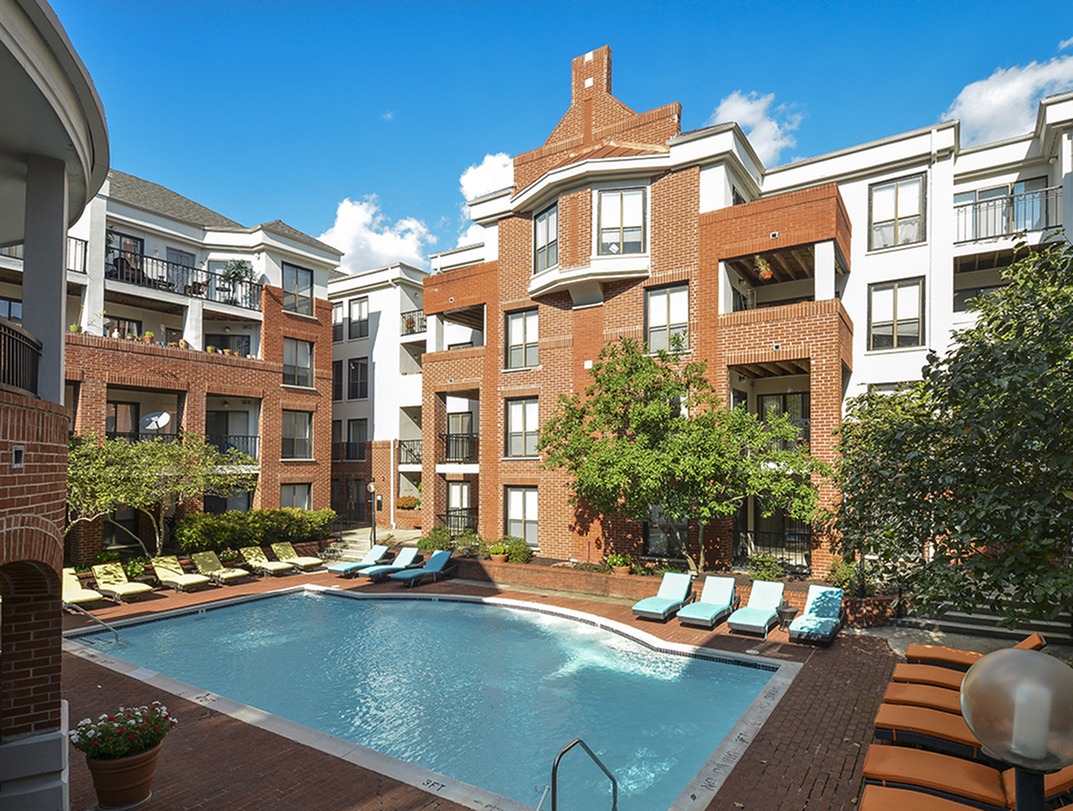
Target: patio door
{"x":458,"y":515}
{"x":180,"y":263}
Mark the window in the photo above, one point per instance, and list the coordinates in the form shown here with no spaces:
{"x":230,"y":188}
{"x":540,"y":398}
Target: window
{"x":522,"y":339}
{"x":546,"y":239}
{"x":122,"y":327}
{"x":337,"y":380}
{"x":357,"y":434}
{"x":660,"y":538}
{"x":897,"y":212}
{"x":1002,"y":210}
{"x":522,"y":513}
{"x":338,"y":452}
{"x":240,"y":344}
{"x":125,"y":254}
{"x":522,"y":427}
{"x":11,"y":309}
{"x":667,"y":316}
{"x":297,"y":435}
{"x":622,"y":222}
{"x":337,"y":321}
{"x":896,"y":314}
{"x":359,"y":318}
{"x":794,"y":405}
{"x":297,"y":362}
{"x":121,"y":419}
{"x":297,"y":289}
{"x":295,"y":495}
{"x":461,"y":441}
{"x":358,"y":379}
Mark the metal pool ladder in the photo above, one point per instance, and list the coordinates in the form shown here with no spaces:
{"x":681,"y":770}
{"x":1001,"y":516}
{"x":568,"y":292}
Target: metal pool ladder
{"x":97,"y":620}
{"x":596,"y":760}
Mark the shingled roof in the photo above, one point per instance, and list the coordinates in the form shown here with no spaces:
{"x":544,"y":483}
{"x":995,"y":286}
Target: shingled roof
{"x":281,"y":229}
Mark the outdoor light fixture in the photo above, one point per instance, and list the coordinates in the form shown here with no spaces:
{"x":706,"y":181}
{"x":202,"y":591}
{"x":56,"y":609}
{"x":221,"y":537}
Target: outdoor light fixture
{"x":371,"y":487}
{"x":1019,"y":705}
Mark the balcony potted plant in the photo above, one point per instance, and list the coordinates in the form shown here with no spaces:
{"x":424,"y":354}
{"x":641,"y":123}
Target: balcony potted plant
{"x":620,"y":564}
{"x":122,"y":750}
{"x":233,"y":272}
{"x":147,"y":336}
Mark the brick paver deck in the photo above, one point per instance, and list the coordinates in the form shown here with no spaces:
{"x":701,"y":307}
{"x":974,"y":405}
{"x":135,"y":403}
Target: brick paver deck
{"x":807,"y":756}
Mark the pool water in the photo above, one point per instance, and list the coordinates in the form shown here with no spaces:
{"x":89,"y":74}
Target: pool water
{"x":484,"y":694}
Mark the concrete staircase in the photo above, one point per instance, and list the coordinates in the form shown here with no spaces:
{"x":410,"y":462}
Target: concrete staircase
{"x":352,"y":544}
{"x":980,"y":623}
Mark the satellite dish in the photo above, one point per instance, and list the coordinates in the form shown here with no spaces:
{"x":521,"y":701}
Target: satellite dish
{"x":155,"y":421}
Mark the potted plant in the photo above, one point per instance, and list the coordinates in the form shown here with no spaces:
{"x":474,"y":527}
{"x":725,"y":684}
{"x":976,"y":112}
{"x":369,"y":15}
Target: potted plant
{"x":619,"y":563}
{"x":498,"y":552}
{"x":210,"y":348}
{"x":122,"y":750}
{"x":234,"y":271}
{"x":184,"y":344}
{"x":74,"y":328}
{"x":147,"y":336}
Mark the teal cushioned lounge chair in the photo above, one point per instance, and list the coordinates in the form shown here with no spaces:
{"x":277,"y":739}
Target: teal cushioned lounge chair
{"x":822,"y":616}
{"x":349,"y":568}
{"x":759,"y":614}
{"x":404,"y":560}
{"x":672,"y":595}
{"x":716,"y":601}
{"x":433,"y":569}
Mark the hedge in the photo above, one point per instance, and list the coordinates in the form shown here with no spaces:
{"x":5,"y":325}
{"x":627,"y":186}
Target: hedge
{"x":203,"y":532}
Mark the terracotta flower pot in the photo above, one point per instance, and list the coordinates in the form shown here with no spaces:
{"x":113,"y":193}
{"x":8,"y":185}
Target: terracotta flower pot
{"x":499,"y":558}
{"x":620,"y":569}
{"x":126,"y":781}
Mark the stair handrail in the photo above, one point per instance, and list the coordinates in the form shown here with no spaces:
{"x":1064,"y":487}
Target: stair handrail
{"x":97,"y":620}
{"x":595,"y":759}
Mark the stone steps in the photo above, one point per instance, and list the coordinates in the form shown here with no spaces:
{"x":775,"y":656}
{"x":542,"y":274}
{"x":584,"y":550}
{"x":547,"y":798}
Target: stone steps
{"x":1058,"y":631}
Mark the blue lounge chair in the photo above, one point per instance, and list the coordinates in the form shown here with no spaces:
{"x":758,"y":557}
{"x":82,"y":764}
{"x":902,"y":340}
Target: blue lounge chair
{"x":716,"y":601}
{"x":759,"y":614}
{"x":672,"y":595}
{"x":434,"y":569}
{"x":349,"y":568}
{"x":404,"y":560}
{"x":822,"y":617}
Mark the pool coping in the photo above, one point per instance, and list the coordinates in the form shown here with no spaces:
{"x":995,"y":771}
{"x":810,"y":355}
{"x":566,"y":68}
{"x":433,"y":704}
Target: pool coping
{"x":697,"y":794}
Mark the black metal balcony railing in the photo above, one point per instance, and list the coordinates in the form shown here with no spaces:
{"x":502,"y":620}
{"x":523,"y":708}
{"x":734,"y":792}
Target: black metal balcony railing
{"x":459,"y":519}
{"x":141,"y":436}
{"x":20,"y":357}
{"x":76,"y":253}
{"x":409,"y":451}
{"x":413,"y":322}
{"x":793,"y":549}
{"x":461,"y":447}
{"x":348,"y":451}
{"x":1012,"y":214}
{"x":159,"y":274}
{"x":239,"y":442}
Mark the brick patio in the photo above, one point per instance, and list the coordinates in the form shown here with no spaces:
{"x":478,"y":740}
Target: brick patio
{"x":807,"y":756}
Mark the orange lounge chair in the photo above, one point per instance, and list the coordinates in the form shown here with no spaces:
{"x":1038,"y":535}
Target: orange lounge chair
{"x":958,"y":659}
{"x":923,"y":695}
{"x":932,"y":729}
{"x":934,"y":675}
{"x":952,"y":777}
{"x":878,"y":798}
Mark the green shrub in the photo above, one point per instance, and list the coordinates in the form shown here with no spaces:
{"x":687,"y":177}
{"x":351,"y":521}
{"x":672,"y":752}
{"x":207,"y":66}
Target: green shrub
{"x":437,"y":538}
{"x":469,"y":544}
{"x":763,"y":566}
{"x":203,"y":532}
{"x":107,"y":555}
{"x":846,"y":574}
{"x":618,"y":559}
{"x":135,"y":567}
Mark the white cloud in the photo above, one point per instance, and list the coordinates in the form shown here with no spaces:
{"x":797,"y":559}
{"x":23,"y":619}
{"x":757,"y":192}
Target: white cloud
{"x":493,"y":173}
{"x":1065,"y":43}
{"x":769,"y":127}
{"x":388,"y":116}
{"x":369,"y":240}
{"x":1004,"y":104}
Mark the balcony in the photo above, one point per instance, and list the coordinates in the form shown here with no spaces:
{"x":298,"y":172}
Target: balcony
{"x":1009,"y":215}
{"x":409,"y":451}
{"x":461,"y":448}
{"x":241,"y":443}
{"x":76,"y":254}
{"x":793,"y":549}
{"x":20,"y":356}
{"x":141,"y":436}
{"x":413,"y":322}
{"x":159,"y":274}
{"x":348,"y":451}
{"x":459,"y":519}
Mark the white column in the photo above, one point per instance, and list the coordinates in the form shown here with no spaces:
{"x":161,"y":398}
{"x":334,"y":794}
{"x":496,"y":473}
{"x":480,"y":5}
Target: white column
{"x":825,"y":271}
{"x":92,"y":316}
{"x":44,"y":283}
{"x":1065,"y":164}
{"x":193,"y":323}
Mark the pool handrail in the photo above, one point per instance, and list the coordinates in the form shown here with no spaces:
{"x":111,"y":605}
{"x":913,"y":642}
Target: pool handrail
{"x":595,"y":759}
{"x":98,"y":620}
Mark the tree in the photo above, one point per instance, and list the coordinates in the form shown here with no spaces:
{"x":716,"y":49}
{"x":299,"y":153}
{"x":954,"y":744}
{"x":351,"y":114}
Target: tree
{"x":650,"y":432}
{"x":153,"y":477}
{"x":991,"y":446}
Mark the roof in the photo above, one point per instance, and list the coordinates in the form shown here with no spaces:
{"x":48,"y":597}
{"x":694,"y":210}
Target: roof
{"x":281,"y":229}
{"x":610,"y":149}
{"x":156,"y":199}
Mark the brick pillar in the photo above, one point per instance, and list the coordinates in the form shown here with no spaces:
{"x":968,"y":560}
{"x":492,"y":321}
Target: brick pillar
{"x":92,"y":401}
{"x":433,"y":485}
{"x":825,"y":383}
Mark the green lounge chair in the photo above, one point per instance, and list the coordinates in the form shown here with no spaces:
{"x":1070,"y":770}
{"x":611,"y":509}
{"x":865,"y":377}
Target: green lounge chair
{"x":255,"y":556}
{"x":759,"y":614}
{"x":112,"y":582}
{"x":433,"y":569}
{"x":285,"y":552}
{"x":406,"y":558}
{"x":673,"y":592}
{"x":349,"y":568}
{"x":73,"y":591}
{"x":208,"y":564}
{"x":822,"y":616}
{"x":717,"y":600}
{"x":170,"y":572}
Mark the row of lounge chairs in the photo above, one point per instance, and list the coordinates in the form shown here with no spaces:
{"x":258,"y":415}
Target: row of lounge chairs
{"x":819,"y":622}
{"x":948,"y":770}
{"x":405,"y":567}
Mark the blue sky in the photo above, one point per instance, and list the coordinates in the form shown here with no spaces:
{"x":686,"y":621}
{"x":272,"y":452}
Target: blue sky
{"x":358,"y":120}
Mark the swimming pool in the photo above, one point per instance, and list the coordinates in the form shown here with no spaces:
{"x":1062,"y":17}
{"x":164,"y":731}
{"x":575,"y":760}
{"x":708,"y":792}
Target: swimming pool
{"x":492,"y":712}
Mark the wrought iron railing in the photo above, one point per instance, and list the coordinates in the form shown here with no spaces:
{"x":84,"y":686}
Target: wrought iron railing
{"x":76,"y":253}
{"x":459,"y":519}
{"x":461,"y":447}
{"x":239,"y":442}
{"x":20,"y":357}
{"x":141,"y":436}
{"x":159,"y":274}
{"x":409,"y":451}
{"x":793,"y":549}
{"x":413,"y":322}
{"x":1008,"y":215}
